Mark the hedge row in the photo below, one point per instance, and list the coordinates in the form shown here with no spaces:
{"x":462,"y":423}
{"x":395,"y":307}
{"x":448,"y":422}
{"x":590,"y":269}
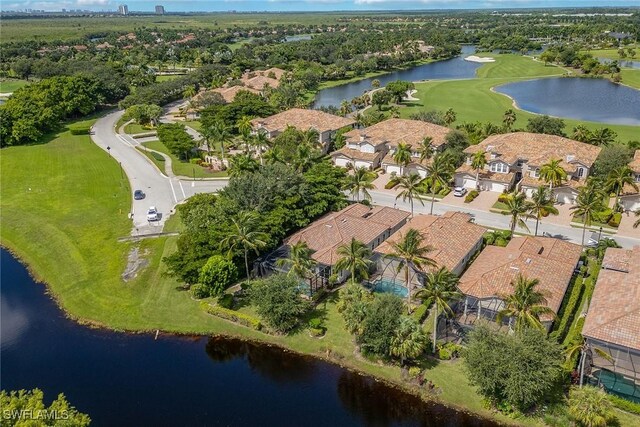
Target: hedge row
{"x":420,"y":313}
{"x":234,"y":316}
{"x":568,"y":311}
{"x":79,"y":130}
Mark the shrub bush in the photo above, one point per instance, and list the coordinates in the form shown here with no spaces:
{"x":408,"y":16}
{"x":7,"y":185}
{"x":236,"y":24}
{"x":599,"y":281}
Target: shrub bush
{"x":615,"y":219}
{"x":568,"y":311}
{"x":501,"y":241}
{"x":471,"y":196}
{"x":392,"y":183}
{"x":624,"y":404}
{"x":420,"y":313}
{"x":226,"y":301}
{"x":218,"y":273}
{"x":315,"y":323}
{"x":604,"y":215}
{"x":503,"y":198}
{"x":414,"y":371}
{"x":199,"y":291}
{"x":159,"y":157}
{"x":79,"y":130}
{"x":234,"y":316}
{"x":444,"y":354}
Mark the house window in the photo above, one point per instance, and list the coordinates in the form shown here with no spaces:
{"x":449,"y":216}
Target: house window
{"x":536,"y":173}
{"x":580,"y":172}
{"x":638,"y":177}
{"x":499,"y":167}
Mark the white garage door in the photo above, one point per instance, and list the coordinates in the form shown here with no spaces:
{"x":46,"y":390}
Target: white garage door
{"x":342,"y":162}
{"x":393,"y":168}
{"x":363,"y":164}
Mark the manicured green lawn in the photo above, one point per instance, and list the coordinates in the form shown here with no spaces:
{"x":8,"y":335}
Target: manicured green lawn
{"x":134,"y":128}
{"x":180,"y":167}
{"x":473,"y":99}
{"x":613,"y":54}
{"x":195,"y":124}
{"x":11,"y":85}
{"x":631,"y":77}
{"x":160,"y":164}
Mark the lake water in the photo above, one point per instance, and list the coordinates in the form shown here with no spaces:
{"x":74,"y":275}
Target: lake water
{"x":622,"y":63}
{"x":455,"y":68}
{"x":123,"y":380}
{"x":596,"y":100}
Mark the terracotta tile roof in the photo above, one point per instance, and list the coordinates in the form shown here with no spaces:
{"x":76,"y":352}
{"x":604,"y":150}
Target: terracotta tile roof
{"x":452,"y":236}
{"x":614,"y":313}
{"x":635,"y":163}
{"x":356,"y":154}
{"x":415,"y":161}
{"x":326,"y":234}
{"x":261,"y":82}
{"x":303,"y":120}
{"x":486,"y":175}
{"x":394,"y":131}
{"x":229,"y":93}
{"x":551,"y":261}
{"x":538,"y":149}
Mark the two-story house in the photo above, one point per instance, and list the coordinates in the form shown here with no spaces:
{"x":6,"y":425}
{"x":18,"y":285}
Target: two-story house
{"x":514,"y":161}
{"x":324,"y":123}
{"x":630,"y":197}
{"x":376,"y":145}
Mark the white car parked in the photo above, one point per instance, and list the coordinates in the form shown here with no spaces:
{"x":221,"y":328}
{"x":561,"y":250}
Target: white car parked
{"x":459,"y":191}
{"x":152,"y":214}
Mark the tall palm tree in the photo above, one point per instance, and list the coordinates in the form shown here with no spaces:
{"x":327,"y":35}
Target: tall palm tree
{"x":259,"y":142}
{"x":518,"y":209}
{"x":241,"y":163}
{"x":409,"y":340}
{"x":411,"y":253}
{"x":299,"y":260}
{"x":525,"y":304}
{"x":426,"y":149}
{"x":450,"y":116}
{"x":355,"y":257}
{"x":402,"y":155}
{"x":439,"y":174}
{"x":552,"y":173}
{"x":221,"y":134}
{"x":440,"y":288}
{"x":244,"y":235}
{"x":509,"y":118}
{"x":375,"y":83}
{"x":588,"y":203}
{"x":541,"y":205}
{"x":478,"y":162}
{"x":345,"y":108}
{"x":618,"y":178}
{"x":584,"y":349}
{"x":244,"y":127}
{"x":311,"y":137}
{"x":602,"y":137}
{"x":411,"y":188}
{"x":359,"y":183}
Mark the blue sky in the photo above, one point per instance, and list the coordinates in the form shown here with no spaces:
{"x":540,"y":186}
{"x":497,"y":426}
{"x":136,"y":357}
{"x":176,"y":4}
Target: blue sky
{"x":301,"y":5}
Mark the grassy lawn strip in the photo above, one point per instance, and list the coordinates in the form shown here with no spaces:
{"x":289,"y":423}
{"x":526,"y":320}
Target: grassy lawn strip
{"x":134,"y":128}
{"x":180,"y":167}
{"x":631,"y":77}
{"x":160,"y":164}
{"x":613,"y":53}
{"x":11,"y":85}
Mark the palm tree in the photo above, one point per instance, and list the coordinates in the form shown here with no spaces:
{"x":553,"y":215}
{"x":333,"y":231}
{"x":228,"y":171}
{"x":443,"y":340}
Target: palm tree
{"x":244,"y":235}
{"x":411,"y":188}
{"x":618,"y":178}
{"x":189,"y":91}
{"x":402,"y":155}
{"x":588,"y":203}
{"x":221,"y":134}
{"x":541,"y":205}
{"x":552,"y":173}
{"x":411,"y":253}
{"x":440,"y":288}
{"x":449,"y":116}
{"x":244,"y":127}
{"x":584,"y":349}
{"x":409,"y":341}
{"x":359,"y":183}
{"x":241,"y":163}
{"x":345,"y":108}
{"x":509,"y":118}
{"x":478,"y":162}
{"x":299,"y":260}
{"x":260,"y":141}
{"x":602,"y":137}
{"x":591,"y":407}
{"x":439,"y":174}
{"x":311,"y":137}
{"x":518,"y":208}
{"x":352,"y":304}
{"x":525,"y":304}
{"x":581,"y":133}
{"x":637,"y":223}
{"x":375,"y":83}
{"x":426,"y":149}
{"x":355,"y":257}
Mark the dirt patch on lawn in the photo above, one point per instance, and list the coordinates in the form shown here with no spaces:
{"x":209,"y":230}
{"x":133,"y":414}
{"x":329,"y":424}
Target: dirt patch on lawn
{"x":136,"y":262}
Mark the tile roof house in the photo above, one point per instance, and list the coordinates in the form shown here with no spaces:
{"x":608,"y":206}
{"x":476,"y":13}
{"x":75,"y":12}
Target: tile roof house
{"x":612,"y":323}
{"x":252,"y":81}
{"x":374,"y":146}
{"x":514,"y":159}
{"x":229,"y":93}
{"x":551,"y":261}
{"x":453,"y":237}
{"x":630,"y":197}
{"x":372,"y":226}
{"x":324,"y":123}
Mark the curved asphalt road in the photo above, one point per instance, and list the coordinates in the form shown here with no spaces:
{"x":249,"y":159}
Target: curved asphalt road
{"x":161,"y":191}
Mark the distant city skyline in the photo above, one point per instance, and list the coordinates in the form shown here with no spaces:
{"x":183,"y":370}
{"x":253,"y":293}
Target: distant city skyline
{"x":299,"y":5}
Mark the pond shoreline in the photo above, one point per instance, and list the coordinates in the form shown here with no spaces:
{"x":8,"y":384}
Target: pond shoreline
{"x":342,"y":363}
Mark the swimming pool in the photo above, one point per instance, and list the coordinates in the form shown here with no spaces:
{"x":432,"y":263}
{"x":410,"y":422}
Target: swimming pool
{"x":389,"y":286}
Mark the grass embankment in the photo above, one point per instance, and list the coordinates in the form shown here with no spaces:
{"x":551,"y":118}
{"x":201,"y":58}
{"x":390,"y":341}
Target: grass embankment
{"x":631,"y":77}
{"x":135,"y":128}
{"x":613,"y":53}
{"x":76,"y":201}
{"x":180,"y":167}
{"x":11,"y":85}
{"x":473,"y":99}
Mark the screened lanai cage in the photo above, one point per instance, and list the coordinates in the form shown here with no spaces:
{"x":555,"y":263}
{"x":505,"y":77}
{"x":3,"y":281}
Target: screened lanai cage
{"x":268,"y":264}
{"x":620,"y":375}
